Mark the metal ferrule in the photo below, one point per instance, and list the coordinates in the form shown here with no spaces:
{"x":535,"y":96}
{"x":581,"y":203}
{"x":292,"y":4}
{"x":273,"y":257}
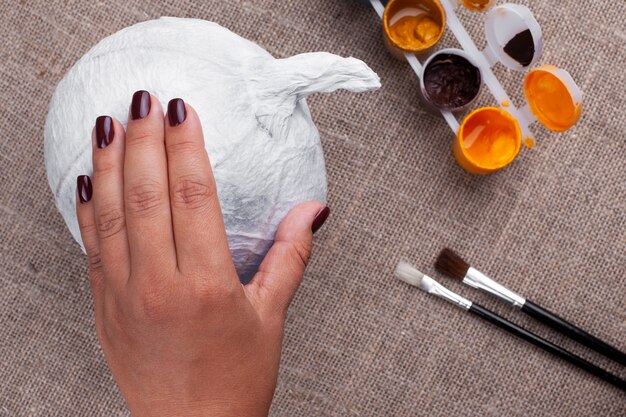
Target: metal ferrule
{"x":475,"y":278}
{"x":433,"y":287}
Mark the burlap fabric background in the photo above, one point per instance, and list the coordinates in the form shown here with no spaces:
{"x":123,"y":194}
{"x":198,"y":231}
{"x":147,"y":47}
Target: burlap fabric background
{"x":358,"y":343}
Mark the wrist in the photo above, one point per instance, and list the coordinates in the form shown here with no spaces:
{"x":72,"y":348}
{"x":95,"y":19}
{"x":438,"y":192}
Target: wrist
{"x":175,"y":408}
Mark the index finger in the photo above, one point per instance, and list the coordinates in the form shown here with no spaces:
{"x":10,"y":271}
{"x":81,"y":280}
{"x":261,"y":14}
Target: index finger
{"x":199,"y":233}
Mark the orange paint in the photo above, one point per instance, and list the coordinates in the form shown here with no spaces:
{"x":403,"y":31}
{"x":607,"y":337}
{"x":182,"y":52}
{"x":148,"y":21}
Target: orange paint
{"x":550,"y":99}
{"x":489,"y":139}
{"x":529,"y":142}
{"x":477,"y":5}
{"x":415,"y":32}
{"x":505,"y":103}
{"x":413,"y":25}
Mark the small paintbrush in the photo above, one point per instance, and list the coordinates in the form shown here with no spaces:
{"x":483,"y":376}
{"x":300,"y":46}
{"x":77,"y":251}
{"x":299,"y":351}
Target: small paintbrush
{"x":405,"y":272}
{"x":452,"y":265}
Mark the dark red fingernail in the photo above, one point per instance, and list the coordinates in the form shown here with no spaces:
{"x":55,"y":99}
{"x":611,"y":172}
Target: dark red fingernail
{"x":140,"y":106}
{"x":176,"y":112}
{"x":104,"y":131}
{"x":83,"y":184}
{"x":320,"y":218}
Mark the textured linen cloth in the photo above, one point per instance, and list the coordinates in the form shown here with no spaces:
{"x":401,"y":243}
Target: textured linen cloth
{"x":358,"y":342}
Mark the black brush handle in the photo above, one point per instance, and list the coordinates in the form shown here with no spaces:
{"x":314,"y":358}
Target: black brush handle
{"x":548,"y":346}
{"x":573,"y":332}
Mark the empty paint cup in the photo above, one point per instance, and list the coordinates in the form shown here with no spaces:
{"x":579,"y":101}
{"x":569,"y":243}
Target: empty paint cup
{"x":412,"y":26}
{"x":488,"y":140}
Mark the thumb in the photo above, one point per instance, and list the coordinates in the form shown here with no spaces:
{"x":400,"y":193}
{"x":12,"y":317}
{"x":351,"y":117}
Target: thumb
{"x":280,"y":273}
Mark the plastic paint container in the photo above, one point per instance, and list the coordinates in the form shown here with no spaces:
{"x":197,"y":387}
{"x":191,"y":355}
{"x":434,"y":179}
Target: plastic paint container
{"x":477,"y":5}
{"x":450,"y":80}
{"x":489,"y":139}
{"x":514,"y":36}
{"x":553,"y":97}
{"x":412,"y":26}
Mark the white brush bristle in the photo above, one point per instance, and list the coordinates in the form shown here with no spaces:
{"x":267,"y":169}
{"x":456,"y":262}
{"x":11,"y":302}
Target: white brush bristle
{"x":405,"y":272}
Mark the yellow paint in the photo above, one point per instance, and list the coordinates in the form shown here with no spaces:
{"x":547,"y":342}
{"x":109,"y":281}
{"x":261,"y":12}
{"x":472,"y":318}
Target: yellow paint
{"x":505,"y":103}
{"x":477,"y":5}
{"x":413,"y":25}
{"x":529,"y":142}
{"x":550,"y":100}
{"x":488,"y":140}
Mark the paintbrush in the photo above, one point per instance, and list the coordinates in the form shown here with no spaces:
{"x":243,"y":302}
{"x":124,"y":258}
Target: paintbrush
{"x":405,"y":272}
{"x":452,"y":265}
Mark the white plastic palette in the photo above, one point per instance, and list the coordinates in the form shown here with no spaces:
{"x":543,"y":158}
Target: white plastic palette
{"x":501,"y":25}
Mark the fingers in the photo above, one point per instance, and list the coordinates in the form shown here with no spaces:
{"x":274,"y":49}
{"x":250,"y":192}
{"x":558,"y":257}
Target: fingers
{"x":89,"y":234}
{"x":280,"y":274}
{"x":108,"y":201}
{"x":147,"y":206}
{"x":201,"y":243}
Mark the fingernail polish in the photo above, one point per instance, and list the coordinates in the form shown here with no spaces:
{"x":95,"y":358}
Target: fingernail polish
{"x":176,"y":112}
{"x":320,"y":218}
{"x":85,"y":190}
{"x":104,"y":131}
{"x":140,"y":105}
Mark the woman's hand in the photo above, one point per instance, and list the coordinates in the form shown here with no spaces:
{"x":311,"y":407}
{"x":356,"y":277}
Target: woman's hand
{"x":182,"y":336}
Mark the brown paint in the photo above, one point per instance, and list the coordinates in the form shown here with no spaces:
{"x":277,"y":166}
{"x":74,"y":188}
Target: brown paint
{"x":521,"y":48}
{"x":451,"y":81}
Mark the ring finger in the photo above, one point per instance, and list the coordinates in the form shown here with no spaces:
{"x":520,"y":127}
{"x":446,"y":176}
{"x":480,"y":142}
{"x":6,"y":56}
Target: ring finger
{"x":108,"y":163}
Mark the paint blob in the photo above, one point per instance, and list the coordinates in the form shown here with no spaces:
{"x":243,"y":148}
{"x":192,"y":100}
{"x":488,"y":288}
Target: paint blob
{"x":414,"y":26}
{"x":529,"y":142}
{"x":505,"y":103}
{"x":550,"y":100}
{"x":489,"y":139}
{"x":451,"y":81}
{"x":521,"y":48}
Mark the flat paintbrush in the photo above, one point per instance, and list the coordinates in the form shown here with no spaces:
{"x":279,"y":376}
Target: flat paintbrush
{"x":412,"y":276}
{"x":452,"y":265}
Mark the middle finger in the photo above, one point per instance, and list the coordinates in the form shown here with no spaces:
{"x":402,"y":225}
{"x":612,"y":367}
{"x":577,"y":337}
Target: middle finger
{"x":146,"y":199}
